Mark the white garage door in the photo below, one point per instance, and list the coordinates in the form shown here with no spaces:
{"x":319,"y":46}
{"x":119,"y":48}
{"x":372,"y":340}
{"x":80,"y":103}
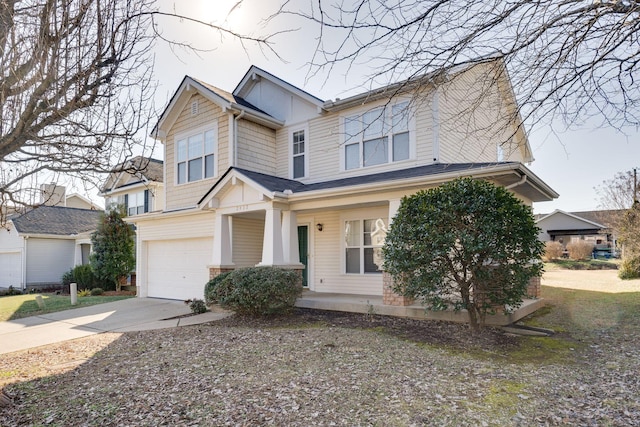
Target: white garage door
{"x":10,"y":270}
{"x":177,"y":269}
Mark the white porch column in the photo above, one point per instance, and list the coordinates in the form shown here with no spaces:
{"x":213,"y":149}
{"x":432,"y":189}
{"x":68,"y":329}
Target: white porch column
{"x":394,"y":205}
{"x":272,"y":240}
{"x":290,"y":251}
{"x":222,"y":242}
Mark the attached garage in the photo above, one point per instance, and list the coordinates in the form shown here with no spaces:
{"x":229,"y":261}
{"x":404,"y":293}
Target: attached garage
{"x":48,"y":260}
{"x":178,"y":269}
{"x":11,"y":270}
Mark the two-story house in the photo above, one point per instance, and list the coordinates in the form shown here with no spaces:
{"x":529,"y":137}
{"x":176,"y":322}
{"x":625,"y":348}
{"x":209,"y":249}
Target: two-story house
{"x":271,"y":175}
{"x":136,"y":185}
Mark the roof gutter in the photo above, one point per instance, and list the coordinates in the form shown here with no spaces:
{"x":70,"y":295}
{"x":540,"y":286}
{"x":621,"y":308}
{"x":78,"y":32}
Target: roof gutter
{"x":516,"y":184}
{"x":256,"y":116}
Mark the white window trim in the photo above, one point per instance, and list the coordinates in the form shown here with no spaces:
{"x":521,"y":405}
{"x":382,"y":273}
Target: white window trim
{"x":130,"y":197}
{"x":358,"y":215}
{"x":213,"y":126}
{"x":292,"y":130}
{"x":388,"y":107}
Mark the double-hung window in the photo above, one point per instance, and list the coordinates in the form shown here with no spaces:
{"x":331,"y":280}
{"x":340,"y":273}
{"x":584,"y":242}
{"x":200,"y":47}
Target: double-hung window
{"x":377,"y":136}
{"x":195,"y":156}
{"x":363,"y":239}
{"x":299,"y":150}
{"x":135,"y":203}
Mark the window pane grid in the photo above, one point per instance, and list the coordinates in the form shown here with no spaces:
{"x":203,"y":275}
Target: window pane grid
{"x":363,"y":245}
{"x":195,"y":157}
{"x":377,"y":137}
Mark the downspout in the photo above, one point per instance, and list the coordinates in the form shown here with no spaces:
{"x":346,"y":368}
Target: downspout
{"x":24,"y":263}
{"x":515,"y":184}
{"x":235,"y":136}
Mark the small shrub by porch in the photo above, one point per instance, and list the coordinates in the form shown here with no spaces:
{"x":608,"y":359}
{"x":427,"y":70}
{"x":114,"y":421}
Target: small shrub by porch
{"x":256,"y":291}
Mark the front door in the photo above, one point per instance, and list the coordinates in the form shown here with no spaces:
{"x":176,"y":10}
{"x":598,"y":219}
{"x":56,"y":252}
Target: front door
{"x":303,"y":247}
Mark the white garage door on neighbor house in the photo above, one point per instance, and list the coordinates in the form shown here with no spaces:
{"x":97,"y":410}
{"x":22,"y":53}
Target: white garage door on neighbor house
{"x":10,"y":269}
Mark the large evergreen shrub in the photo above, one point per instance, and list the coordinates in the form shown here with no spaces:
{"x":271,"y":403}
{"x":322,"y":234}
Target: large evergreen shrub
{"x":467,"y":244}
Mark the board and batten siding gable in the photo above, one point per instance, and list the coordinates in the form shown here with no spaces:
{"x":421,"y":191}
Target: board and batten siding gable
{"x":48,"y":260}
{"x":474,"y":119}
{"x":279,"y":102}
{"x":187,"y":195}
{"x":247,"y":241}
{"x":256,"y":147}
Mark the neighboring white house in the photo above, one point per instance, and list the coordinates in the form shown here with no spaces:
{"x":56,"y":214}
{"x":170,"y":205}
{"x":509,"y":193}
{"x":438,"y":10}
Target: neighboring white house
{"x":137,"y":185}
{"x":271,"y":175}
{"x":39,"y":246}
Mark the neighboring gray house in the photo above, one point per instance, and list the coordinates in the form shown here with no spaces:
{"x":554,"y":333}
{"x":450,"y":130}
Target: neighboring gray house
{"x":591,"y":226}
{"x":39,"y":246}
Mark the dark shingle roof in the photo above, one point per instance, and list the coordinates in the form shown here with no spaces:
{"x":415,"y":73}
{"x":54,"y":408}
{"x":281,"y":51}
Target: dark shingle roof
{"x":57,"y":220}
{"x":273,"y":183}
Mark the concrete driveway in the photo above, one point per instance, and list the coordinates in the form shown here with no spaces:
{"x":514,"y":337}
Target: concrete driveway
{"x":133,"y":314}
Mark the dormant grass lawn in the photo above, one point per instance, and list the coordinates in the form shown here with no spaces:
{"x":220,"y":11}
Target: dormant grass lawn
{"x":314,"y":369}
{"x":19,"y":306}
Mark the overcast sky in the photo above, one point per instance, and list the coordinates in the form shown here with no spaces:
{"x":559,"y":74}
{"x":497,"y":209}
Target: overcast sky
{"x":572,"y":163}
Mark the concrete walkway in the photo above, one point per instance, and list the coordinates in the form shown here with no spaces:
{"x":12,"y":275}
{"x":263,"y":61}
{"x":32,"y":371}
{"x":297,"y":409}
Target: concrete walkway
{"x":133,"y":314}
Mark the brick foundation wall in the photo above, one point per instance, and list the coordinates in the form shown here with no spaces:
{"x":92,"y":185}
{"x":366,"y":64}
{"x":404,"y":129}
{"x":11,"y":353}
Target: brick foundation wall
{"x":388,"y":296}
{"x":216,"y":271}
{"x":533,"y":289}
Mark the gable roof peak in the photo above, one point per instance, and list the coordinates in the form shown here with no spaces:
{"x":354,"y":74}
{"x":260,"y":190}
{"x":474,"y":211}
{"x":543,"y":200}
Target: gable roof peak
{"x":255,"y":73}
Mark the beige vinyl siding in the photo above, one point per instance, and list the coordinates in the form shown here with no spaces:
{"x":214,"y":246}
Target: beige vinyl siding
{"x":328,"y":260}
{"x":256,"y":147}
{"x":424,"y":129}
{"x":187,"y":195}
{"x":474,"y":119}
{"x":247,"y":241}
{"x":325,"y":142}
{"x":282,"y":153}
{"x":201,"y":224}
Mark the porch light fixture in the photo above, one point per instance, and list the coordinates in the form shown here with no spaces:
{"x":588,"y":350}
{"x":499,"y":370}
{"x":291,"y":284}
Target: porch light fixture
{"x":319,"y":226}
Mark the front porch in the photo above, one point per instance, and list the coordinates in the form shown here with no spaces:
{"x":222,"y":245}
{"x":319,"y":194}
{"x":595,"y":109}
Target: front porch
{"x":373,"y":304}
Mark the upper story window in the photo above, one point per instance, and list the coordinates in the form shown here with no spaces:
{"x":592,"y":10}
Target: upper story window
{"x":363,"y":239}
{"x":195,"y":156}
{"x":377,"y":136}
{"x":299,"y":153}
{"x":135,"y":203}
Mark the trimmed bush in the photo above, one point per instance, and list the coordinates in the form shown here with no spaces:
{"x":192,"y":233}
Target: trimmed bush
{"x":258,"y":291}
{"x":629,"y":268}
{"x":196,"y":305}
{"x":97,"y":291}
{"x":580,"y":250}
{"x":553,"y":250}
{"x":210,"y":288}
{"x":84,"y":277}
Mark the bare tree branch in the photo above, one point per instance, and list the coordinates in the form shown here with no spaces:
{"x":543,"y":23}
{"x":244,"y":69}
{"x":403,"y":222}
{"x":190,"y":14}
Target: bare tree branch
{"x":77,"y":88}
{"x":568,"y":60}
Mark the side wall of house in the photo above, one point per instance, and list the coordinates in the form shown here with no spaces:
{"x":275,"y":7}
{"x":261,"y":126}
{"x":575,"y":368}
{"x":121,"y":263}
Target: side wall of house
{"x":11,"y":257}
{"x":474,"y":119}
{"x":247,"y":241}
{"x":327,"y":252}
{"x":187,"y":195}
{"x":325,"y":142}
